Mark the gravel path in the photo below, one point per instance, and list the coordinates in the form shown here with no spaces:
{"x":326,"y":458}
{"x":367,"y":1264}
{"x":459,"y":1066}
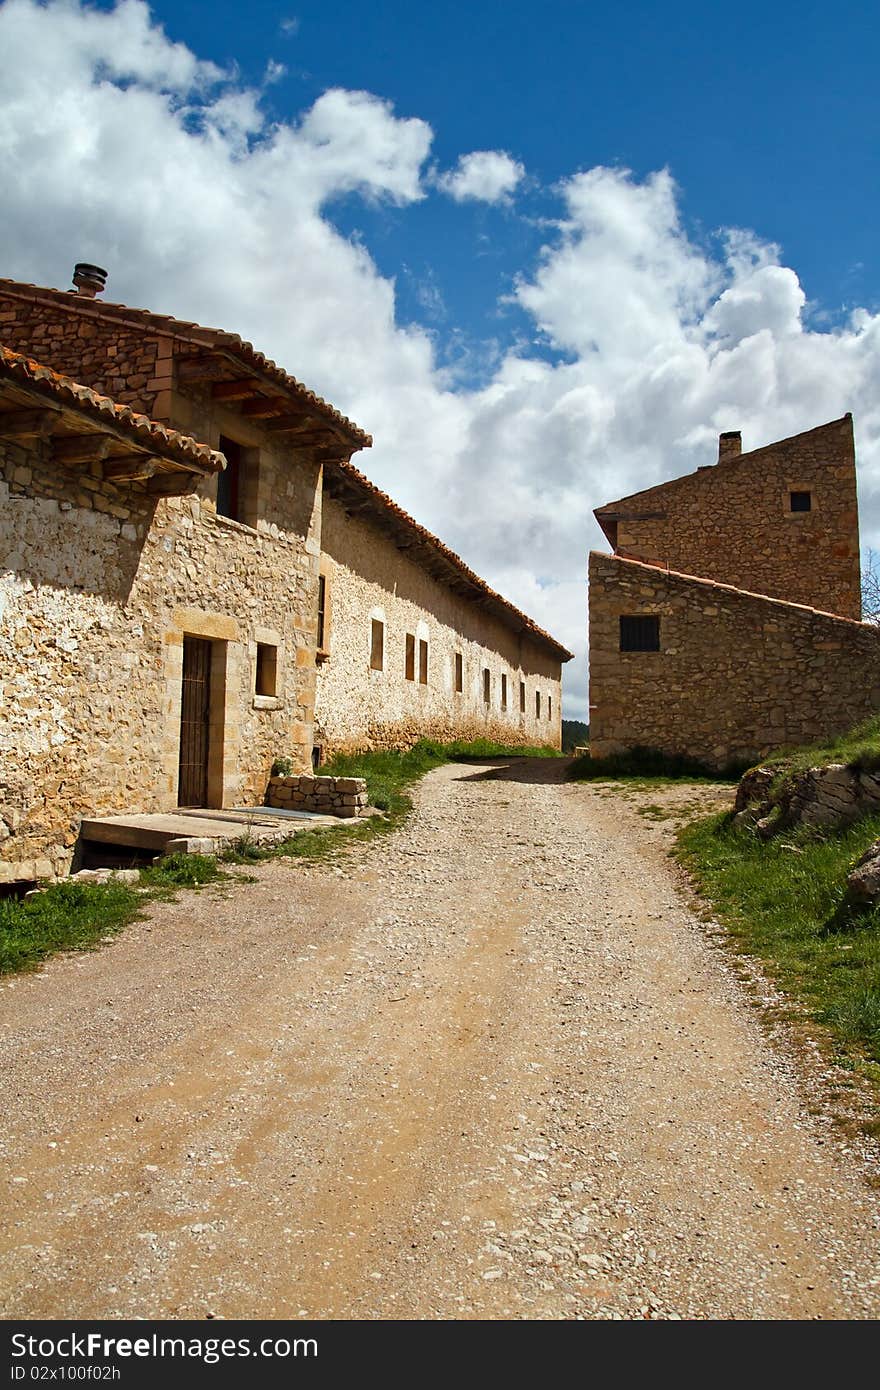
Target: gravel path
{"x":490,"y":1067}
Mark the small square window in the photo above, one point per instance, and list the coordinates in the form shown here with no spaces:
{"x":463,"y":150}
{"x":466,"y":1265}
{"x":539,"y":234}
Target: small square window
{"x":423,"y":662}
{"x":459,"y":673}
{"x":377,"y":645}
{"x":800,"y":501}
{"x":487,"y":685}
{"x":410,"y":657}
{"x":640,"y":633}
{"x":267,"y":669}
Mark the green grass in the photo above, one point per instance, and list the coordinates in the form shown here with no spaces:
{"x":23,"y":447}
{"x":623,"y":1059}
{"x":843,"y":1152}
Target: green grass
{"x":785,"y":902}
{"x":859,"y":748}
{"x":648,"y":764}
{"x":66,"y":917}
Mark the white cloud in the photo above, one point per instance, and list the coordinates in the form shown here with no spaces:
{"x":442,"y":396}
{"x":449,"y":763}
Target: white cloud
{"x":484,"y":176}
{"x":289,"y":26}
{"x":119,"y":147}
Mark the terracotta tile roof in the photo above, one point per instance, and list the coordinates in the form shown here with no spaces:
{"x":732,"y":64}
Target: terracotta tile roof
{"x":664,"y":573}
{"x":159,"y":438}
{"x":385,"y":506}
{"x":210,"y":339}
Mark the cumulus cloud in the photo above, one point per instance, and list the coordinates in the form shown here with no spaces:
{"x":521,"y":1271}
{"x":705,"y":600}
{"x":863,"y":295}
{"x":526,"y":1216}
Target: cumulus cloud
{"x":483,"y":176}
{"x":165,"y":169}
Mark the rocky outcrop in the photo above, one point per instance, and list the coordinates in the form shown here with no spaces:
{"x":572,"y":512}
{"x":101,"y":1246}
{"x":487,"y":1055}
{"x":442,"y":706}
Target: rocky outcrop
{"x":863,"y":879}
{"x":769,"y":800}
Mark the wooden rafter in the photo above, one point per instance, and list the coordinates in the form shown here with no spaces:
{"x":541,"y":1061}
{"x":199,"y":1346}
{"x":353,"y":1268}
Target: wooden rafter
{"x":81,"y":448}
{"x":234,"y":390}
{"x":28,"y":424}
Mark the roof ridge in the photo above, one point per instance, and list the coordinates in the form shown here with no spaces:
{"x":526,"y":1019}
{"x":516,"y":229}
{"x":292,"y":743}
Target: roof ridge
{"x":726,"y":464}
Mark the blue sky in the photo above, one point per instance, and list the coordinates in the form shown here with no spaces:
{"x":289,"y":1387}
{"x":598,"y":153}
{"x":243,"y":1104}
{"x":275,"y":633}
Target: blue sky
{"x":544,"y":256}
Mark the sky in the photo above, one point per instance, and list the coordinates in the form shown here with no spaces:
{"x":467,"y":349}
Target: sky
{"x":543,"y":256}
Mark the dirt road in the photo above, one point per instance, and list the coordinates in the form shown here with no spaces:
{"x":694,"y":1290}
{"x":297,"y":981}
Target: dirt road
{"x":490,"y":1067}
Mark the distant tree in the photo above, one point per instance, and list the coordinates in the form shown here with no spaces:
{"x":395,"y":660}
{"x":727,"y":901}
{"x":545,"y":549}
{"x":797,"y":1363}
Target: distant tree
{"x":871,"y":588}
{"x":574,"y":734}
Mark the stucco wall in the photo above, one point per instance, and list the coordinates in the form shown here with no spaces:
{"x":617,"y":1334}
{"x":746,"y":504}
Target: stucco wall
{"x":732,"y":522}
{"x":356,"y":707}
{"x":98,"y":585}
{"x":735,"y":676}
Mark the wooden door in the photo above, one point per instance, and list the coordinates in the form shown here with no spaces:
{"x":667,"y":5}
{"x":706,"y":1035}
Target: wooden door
{"x":195,"y":711}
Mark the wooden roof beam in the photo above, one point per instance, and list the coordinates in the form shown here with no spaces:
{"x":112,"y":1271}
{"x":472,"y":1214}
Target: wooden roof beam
{"x":262,"y":406}
{"x":82,"y":448}
{"x":28,"y":424}
{"x":234,"y":390}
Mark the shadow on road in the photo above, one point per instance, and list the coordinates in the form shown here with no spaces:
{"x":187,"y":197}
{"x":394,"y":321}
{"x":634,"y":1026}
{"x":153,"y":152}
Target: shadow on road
{"x":532,"y":770}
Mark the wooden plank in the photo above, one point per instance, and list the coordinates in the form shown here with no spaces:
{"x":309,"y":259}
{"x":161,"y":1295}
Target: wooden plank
{"x":262,"y":406}
{"x":27,"y":424}
{"x":234,"y":390}
{"x":291,"y":420}
{"x":136,"y":466}
{"x":81,"y":448}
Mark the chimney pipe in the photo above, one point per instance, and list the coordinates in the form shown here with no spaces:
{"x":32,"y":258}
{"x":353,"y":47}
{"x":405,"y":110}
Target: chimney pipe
{"x":89,"y":279}
{"x":730,"y":445}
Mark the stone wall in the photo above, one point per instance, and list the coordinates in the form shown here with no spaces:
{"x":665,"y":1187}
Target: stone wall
{"x":733,"y":522}
{"x":99,"y":584}
{"x":369,"y":577}
{"x":735,"y":676}
{"x":122,"y":361}
{"x":331,"y":796}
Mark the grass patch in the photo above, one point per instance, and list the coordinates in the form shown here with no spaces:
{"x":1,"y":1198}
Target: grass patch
{"x":859,"y":749}
{"x":66,"y":917}
{"x":785,"y":902}
{"x":182,"y":871}
{"x":649,"y":764}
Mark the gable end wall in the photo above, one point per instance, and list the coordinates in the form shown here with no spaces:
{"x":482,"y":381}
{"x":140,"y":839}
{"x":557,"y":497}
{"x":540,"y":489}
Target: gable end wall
{"x":736,"y":676}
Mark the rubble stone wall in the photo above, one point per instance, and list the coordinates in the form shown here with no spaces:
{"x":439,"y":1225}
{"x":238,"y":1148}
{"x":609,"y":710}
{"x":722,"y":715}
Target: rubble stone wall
{"x":99,"y":584}
{"x":736,"y":675}
{"x":733,"y":522}
{"x":369,"y":577}
{"x":331,"y":796}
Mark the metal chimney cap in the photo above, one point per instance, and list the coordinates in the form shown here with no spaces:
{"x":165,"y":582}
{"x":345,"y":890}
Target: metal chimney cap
{"x":89,"y":279}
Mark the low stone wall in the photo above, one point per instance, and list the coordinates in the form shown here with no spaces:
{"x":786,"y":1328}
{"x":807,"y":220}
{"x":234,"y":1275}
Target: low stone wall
{"x":329,"y":796}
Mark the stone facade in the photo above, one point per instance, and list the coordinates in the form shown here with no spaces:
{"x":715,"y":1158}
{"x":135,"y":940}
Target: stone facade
{"x":734,"y":521}
{"x":112,"y":573}
{"x":370,"y":579}
{"x":735,"y":674}
{"x":99,"y":585}
{"x":727,"y":621}
{"x":77,"y":338}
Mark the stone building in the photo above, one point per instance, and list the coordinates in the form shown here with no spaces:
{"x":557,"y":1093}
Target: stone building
{"x":164,"y":575}
{"x":726,"y":622}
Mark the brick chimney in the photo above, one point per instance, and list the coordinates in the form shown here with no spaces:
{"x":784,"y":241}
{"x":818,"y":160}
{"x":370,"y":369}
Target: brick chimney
{"x":89,"y":279}
{"x":730,"y":445}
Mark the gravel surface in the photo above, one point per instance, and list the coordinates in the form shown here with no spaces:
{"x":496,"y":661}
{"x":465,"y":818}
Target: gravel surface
{"x":490,"y":1066}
